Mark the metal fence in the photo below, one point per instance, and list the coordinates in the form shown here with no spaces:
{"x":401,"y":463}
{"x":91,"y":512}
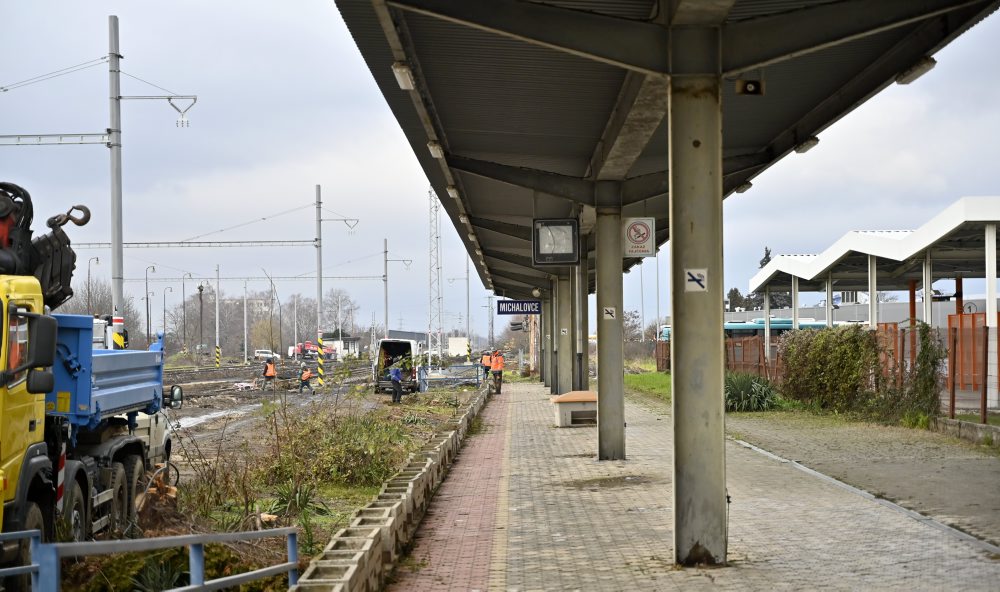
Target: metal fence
{"x":450,"y":376}
{"x":46,"y":558}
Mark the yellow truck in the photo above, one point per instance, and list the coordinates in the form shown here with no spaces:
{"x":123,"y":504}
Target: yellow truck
{"x":72,"y":456}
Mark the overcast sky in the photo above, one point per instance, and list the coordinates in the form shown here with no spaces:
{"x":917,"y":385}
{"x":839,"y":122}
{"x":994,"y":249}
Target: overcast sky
{"x":285,"y":102}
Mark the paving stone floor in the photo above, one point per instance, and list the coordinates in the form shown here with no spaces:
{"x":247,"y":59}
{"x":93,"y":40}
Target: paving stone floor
{"x":557,"y":519}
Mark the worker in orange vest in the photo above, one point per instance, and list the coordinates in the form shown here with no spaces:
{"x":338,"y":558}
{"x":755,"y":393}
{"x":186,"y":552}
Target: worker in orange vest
{"x":269,"y":373}
{"x":487,"y":363}
{"x":497,"y":367}
{"x":304,"y":375}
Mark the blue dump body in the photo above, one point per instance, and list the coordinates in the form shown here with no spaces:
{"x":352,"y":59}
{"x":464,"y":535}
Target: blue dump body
{"x":93,"y":385}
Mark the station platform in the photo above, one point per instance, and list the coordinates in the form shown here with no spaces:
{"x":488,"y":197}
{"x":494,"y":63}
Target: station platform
{"x":527,"y":507}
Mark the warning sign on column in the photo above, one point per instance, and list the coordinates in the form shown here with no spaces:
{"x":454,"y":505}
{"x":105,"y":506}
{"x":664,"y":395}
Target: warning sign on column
{"x":639,"y":237}
{"x":696,"y":280}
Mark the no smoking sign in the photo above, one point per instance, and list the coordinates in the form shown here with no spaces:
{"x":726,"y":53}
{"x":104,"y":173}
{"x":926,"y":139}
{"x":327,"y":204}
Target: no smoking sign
{"x":639,"y":237}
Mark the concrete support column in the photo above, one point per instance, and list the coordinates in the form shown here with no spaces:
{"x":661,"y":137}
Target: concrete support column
{"x":583,"y":330}
{"x":959,"y":296}
{"x":829,"y":300}
{"x":872,"y":292}
{"x":795,"y":302}
{"x":545,"y":338}
{"x":564,"y":334}
{"x":610,"y":332}
{"x":696,"y":286}
{"x":554,"y":332}
{"x":928,"y":289}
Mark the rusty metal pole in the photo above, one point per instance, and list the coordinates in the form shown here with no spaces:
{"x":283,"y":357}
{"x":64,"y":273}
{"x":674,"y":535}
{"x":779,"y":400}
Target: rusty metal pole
{"x":913,"y":320}
{"x":986,"y":362}
{"x":952,"y":357}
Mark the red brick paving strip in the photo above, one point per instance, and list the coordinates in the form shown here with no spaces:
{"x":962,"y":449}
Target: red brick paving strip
{"x":454,"y":543}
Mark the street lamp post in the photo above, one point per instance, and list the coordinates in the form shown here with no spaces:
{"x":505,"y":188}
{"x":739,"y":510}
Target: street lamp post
{"x":90,"y":287}
{"x":201,"y":318}
{"x":148,"y":268}
{"x":245,"y":332}
{"x":165,"y":290}
{"x":385,"y":280}
{"x":274,"y":296}
{"x":149,"y":329}
{"x":184,"y":320}
{"x":468,"y":334}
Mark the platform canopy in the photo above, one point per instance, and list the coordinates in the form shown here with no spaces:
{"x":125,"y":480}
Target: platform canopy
{"x":955,"y":239}
{"x":515,"y":109}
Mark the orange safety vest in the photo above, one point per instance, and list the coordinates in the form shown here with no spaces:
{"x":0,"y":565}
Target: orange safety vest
{"x":269,"y":370}
{"x":497,"y":363}
{"x":307,"y":374}
{"x":487,"y":360}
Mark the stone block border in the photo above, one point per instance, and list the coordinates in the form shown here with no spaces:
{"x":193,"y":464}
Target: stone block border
{"x":360,"y":557}
{"x":976,"y":433}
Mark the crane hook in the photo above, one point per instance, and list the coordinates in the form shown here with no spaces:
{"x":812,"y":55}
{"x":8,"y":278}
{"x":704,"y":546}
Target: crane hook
{"x":62,"y":219}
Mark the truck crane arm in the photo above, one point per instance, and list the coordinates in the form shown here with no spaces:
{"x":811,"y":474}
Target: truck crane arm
{"x":48,"y":257}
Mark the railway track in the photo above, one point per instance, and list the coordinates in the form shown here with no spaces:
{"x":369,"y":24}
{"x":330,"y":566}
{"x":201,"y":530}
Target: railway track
{"x":235,"y":372}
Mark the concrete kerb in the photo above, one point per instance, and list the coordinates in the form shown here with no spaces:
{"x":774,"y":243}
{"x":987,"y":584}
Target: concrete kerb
{"x":977,"y":433}
{"x":346,"y":562}
{"x":359,"y":557}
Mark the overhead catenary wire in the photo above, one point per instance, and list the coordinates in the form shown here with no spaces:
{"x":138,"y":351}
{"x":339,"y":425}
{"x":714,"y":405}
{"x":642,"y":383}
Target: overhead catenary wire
{"x":54,"y":74}
{"x":148,"y":82}
{"x":254,"y":221}
{"x":312,"y":272}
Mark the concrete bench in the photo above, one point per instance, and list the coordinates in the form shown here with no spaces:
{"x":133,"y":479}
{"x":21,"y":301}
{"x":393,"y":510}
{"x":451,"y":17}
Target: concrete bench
{"x":575,"y":408}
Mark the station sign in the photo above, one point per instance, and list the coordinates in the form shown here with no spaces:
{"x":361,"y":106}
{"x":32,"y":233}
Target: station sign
{"x":519,"y":307}
{"x":638,"y":237}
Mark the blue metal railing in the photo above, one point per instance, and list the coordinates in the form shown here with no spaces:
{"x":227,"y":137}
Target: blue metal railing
{"x":32,"y":568}
{"x":46,"y":558}
{"x":450,"y":376}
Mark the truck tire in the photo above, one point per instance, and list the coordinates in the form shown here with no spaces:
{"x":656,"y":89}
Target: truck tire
{"x":33,"y":520}
{"x":135,"y":473}
{"x":119,"y":507}
{"x":73,"y":522}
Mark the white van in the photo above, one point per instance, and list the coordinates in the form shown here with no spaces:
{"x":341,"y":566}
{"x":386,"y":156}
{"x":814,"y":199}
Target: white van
{"x":403,"y":353}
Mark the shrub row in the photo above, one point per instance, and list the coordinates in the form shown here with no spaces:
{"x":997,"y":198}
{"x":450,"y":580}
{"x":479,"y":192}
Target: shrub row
{"x":846,"y":370}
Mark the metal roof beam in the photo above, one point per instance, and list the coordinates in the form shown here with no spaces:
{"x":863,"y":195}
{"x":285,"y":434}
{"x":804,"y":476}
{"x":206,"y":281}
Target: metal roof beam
{"x":700,"y":12}
{"x":571,"y":188}
{"x":755,"y":43}
{"x":509,"y":291}
{"x":634,"y":45}
{"x":521,"y":281}
{"x":645,"y":187}
{"x":733,"y":165}
{"x":519,"y":260}
{"x":505,"y":228}
{"x":652,"y":185}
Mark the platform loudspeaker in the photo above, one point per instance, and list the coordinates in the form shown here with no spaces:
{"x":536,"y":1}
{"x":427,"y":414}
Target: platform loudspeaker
{"x":750,"y":87}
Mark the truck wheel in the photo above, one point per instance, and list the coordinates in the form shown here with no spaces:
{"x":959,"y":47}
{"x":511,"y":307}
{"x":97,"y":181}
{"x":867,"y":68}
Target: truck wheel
{"x":135,"y":472}
{"x":72,"y":523}
{"x":119,"y":509}
{"x":33,"y":520}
